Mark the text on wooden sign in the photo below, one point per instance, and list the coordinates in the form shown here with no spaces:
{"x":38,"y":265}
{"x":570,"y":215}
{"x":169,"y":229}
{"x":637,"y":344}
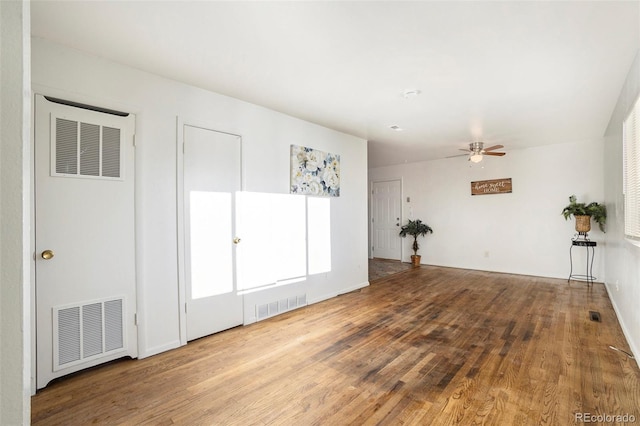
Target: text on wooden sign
{"x":494,"y":186}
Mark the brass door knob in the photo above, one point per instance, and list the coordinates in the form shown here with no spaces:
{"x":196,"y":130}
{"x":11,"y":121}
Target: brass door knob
{"x":47,"y":254}
{"x":236,"y":240}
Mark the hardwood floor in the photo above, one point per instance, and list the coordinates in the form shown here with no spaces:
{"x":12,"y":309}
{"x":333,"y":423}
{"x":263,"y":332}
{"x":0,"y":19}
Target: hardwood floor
{"x":380,"y":268}
{"x":430,"y":345}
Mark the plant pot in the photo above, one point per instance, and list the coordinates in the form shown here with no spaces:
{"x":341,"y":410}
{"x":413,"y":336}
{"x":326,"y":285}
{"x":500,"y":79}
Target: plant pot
{"x":583,"y":224}
{"x":415,"y":259}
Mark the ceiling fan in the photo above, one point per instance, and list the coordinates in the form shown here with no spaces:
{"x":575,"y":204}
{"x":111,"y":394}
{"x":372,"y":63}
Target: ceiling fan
{"x":477,"y":151}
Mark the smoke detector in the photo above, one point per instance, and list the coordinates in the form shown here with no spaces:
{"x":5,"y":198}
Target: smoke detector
{"x":411,"y":93}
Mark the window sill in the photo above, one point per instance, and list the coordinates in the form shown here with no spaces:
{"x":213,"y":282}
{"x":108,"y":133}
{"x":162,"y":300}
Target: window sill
{"x":632,"y":241}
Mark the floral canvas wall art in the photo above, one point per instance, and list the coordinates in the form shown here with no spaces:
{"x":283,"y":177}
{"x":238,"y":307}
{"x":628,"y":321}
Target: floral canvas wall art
{"x":314,"y":172}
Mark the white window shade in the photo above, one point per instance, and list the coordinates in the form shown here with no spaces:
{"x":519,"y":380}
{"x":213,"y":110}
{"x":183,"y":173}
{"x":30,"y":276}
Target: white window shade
{"x":631,"y":173}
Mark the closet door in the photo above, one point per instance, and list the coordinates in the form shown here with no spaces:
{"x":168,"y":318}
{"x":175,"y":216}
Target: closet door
{"x":85,"y":238}
{"x":211,"y":177}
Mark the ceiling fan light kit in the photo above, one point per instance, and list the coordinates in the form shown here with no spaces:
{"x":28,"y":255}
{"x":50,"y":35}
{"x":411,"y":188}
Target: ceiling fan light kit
{"x":475,"y":158}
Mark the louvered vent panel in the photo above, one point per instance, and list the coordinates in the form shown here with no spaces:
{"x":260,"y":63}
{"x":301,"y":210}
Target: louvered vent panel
{"x":89,"y":149}
{"x":113,"y":325}
{"x":66,"y":146}
{"x":92,"y":329}
{"x":88,"y":331}
{"x":277,"y":307}
{"x":68,"y":335}
{"x":110,"y":152}
{"x":98,"y":147}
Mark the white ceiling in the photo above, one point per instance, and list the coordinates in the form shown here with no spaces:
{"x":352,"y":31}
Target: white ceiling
{"x":519,"y":74}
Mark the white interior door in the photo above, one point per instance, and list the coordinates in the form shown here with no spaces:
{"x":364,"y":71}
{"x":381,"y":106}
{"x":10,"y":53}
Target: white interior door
{"x":85,"y":239}
{"x":385,"y":217}
{"x":211,"y":177}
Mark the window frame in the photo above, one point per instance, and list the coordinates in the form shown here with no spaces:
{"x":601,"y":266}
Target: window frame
{"x":631,"y":174}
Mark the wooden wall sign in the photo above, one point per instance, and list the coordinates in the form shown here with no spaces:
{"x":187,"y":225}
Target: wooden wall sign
{"x":495,"y":186}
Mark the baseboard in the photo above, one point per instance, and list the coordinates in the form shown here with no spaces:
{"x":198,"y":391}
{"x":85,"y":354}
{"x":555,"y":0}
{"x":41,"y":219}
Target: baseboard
{"x":634,"y":348}
{"x":158,"y":349}
{"x":342,"y":291}
{"x":355,"y":287}
{"x":322,"y":298}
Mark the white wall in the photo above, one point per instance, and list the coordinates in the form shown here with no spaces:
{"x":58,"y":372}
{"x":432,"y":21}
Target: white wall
{"x":266,"y":137}
{"x":15,"y":354}
{"x":522,"y":232}
{"x":622,"y":258}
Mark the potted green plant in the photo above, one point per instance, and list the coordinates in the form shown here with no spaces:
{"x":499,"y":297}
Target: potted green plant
{"x":415,"y":228}
{"x":584,"y":213}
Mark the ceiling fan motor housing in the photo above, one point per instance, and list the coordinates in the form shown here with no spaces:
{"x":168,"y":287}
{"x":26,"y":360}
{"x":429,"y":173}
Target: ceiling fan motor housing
{"x":476,"y":147}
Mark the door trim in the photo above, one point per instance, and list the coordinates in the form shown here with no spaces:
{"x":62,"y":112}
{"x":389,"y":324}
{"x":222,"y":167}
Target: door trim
{"x":371,"y":228}
{"x":182,"y":279}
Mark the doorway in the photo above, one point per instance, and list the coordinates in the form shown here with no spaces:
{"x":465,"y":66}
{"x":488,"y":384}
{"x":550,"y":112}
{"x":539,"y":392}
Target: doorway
{"x":386,"y":214}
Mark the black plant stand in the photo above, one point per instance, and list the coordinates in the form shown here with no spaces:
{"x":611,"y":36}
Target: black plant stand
{"x":582,"y":240}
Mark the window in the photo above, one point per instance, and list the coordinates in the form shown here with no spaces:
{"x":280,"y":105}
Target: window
{"x":631,"y":173}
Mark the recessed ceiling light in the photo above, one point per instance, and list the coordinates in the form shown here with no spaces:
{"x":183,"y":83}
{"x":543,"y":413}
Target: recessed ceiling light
{"x":411,"y":93}
{"x":396,"y":128}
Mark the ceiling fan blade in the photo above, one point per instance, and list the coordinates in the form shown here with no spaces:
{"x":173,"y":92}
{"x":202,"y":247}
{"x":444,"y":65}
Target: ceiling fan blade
{"x":457,"y":155}
{"x":491,"y":148}
{"x":465,"y":150}
{"x":497,"y":154}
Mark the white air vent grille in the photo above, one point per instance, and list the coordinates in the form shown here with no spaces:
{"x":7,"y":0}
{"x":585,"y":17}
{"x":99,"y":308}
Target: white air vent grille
{"x":87,"y":331}
{"x":66,"y":146}
{"x":279,"y":306}
{"x":110,"y":152}
{"x":114,"y":332}
{"x":69,"y":335}
{"x":89,"y":149}
{"x":92,"y":329}
{"x":86,"y":150}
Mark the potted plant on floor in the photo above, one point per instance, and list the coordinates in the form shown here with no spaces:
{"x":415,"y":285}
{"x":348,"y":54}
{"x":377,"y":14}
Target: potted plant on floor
{"x":415,"y":228}
{"x":584,"y":213}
